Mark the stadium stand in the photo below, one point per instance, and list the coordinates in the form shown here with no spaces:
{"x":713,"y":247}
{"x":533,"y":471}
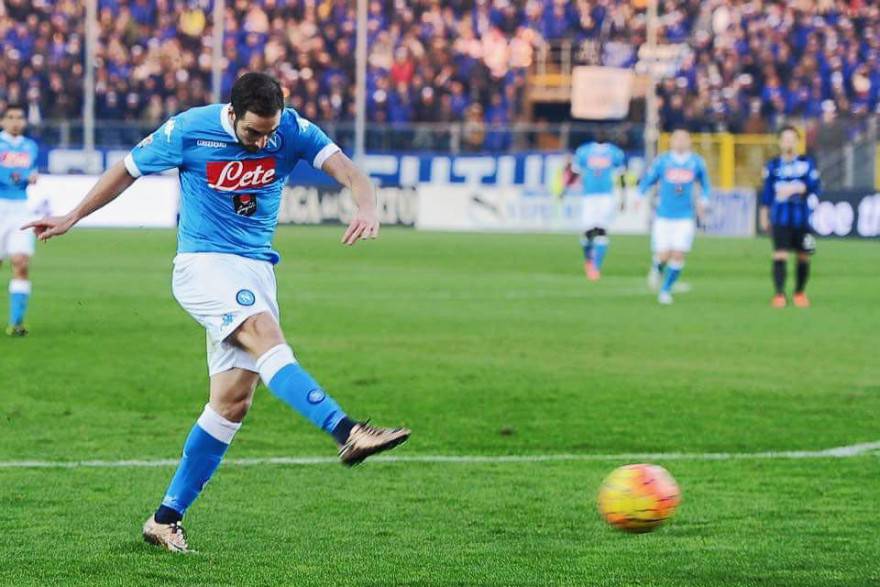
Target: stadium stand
{"x":751,"y":64}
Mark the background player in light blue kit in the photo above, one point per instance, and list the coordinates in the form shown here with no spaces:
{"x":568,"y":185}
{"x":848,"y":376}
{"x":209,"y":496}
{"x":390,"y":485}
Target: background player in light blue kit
{"x":672,"y":235}
{"x":18,"y":170}
{"x":234,"y":160}
{"x":600,"y":166}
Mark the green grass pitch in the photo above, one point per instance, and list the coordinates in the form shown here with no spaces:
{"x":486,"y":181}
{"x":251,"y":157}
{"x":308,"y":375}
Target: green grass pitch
{"x":485,"y":345}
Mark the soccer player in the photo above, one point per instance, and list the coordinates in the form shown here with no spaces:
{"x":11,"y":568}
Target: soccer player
{"x":600,"y":166}
{"x":673,"y":232}
{"x":789,"y":181}
{"x":18,"y":170}
{"x":234,"y":160}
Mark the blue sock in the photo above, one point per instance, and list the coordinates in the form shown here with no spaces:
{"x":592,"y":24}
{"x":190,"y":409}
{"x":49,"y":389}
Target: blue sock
{"x":19,"y":294}
{"x":294,"y":386}
{"x":599,"y":250}
{"x":204,"y":449}
{"x":587,"y":246}
{"x":673,"y":270}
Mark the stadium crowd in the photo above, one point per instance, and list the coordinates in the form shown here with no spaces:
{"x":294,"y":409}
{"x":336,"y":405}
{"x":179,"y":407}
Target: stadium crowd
{"x":750,"y":63}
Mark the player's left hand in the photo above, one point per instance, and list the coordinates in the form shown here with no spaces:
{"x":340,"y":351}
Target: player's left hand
{"x":46,"y":228}
{"x":702,"y":210}
{"x":365,"y":225}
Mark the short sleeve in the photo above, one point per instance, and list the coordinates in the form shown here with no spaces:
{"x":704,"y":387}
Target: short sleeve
{"x":159,"y":151}
{"x":313,"y":144}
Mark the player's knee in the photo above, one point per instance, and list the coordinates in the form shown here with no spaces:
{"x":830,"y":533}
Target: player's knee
{"x":803,"y":257}
{"x":20,"y":266}
{"x":780,"y":255}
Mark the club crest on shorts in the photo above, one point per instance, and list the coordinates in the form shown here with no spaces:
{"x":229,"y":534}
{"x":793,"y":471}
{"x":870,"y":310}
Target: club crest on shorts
{"x":316,"y":396}
{"x":245,"y":297}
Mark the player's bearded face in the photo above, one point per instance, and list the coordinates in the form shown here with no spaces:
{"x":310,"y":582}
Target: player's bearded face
{"x":253,"y":131}
{"x":13,"y":122}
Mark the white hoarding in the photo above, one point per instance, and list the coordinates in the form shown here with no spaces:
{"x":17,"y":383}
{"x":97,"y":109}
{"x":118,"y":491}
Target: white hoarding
{"x":149,"y":202}
{"x":477,"y":207}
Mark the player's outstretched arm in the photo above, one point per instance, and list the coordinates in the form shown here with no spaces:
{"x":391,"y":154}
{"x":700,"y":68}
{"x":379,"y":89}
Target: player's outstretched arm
{"x":114,"y":181}
{"x":366,"y":222}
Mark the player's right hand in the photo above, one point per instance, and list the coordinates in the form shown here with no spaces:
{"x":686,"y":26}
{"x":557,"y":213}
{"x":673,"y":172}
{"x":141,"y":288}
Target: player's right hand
{"x":49,"y":226}
{"x":365,"y":225}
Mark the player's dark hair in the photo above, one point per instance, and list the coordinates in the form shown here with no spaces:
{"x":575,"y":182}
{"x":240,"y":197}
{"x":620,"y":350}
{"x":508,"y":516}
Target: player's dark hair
{"x":258,"y":93}
{"x":788,"y":127}
{"x":13,"y":106}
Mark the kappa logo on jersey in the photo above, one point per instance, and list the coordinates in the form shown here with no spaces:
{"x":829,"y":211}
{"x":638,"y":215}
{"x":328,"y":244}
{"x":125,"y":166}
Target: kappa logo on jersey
{"x":10,"y":159}
{"x":169,"y":126}
{"x":233,"y":176}
{"x":679,"y":175}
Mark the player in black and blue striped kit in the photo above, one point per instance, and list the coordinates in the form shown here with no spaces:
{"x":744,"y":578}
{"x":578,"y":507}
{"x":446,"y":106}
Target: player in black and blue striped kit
{"x":789,"y":182}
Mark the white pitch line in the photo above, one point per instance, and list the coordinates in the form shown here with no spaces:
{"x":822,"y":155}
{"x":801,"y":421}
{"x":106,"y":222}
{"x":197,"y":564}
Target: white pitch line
{"x":839,"y":452}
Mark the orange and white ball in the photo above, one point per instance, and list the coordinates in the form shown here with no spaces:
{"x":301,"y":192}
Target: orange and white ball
{"x":638,"y":498}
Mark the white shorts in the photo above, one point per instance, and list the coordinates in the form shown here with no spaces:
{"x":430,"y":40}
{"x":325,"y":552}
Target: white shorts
{"x":597,"y":211}
{"x":671,"y":234}
{"x":13,"y":240}
{"x":220,"y":291}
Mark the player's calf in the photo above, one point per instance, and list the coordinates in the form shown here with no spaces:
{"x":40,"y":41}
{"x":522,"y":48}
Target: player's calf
{"x":19,"y":295}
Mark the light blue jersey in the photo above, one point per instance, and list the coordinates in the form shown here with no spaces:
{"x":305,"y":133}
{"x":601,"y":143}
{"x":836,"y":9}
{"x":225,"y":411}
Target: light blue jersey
{"x":229,"y":196}
{"x":18,"y":160}
{"x":598,"y":165}
{"x":677,"y":175}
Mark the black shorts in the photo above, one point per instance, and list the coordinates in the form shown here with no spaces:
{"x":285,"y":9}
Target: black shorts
{"x":792,"y":238}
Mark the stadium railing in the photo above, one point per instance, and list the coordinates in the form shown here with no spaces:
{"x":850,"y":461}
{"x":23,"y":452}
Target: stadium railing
{"x":453,"y":138}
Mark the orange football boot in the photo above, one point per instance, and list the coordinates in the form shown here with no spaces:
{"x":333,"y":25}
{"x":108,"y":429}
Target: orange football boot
{"x":801,"y":300}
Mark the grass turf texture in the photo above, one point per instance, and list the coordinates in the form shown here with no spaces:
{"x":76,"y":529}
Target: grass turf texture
{"x":484,"y":345}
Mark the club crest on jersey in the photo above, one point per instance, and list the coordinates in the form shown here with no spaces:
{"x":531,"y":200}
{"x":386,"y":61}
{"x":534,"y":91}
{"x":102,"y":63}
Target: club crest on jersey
{"x":234,"y":176}
{"x":245,"y":204}
{"x":276,"y":141}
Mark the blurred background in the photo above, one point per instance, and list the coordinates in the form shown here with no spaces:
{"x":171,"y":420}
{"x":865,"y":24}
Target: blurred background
{"x":486,"y":92}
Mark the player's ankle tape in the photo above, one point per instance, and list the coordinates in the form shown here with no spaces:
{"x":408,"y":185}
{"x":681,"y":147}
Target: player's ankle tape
{"x":217,"y":426}
{"x":273,"y":360}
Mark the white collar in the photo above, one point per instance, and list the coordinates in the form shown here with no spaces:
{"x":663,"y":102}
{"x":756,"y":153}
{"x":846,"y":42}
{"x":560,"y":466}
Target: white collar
{"x":680,"y":158}
{"x":224,"y":121}
{"x":11,"y":139}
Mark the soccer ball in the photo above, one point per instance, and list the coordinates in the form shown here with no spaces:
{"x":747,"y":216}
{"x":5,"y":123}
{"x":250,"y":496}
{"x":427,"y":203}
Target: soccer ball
{"x":638,"y":498}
